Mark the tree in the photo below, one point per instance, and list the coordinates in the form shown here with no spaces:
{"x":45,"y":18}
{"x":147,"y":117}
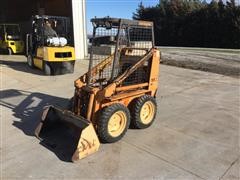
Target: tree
{"x":194,"y":23}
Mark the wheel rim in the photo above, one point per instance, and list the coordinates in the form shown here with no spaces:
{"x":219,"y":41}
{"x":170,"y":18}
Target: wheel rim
{"x":147,"y":112}
{"x":117,"y":123}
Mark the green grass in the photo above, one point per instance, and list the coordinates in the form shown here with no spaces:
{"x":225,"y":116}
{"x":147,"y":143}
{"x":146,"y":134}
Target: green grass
{"x":218,"y":50}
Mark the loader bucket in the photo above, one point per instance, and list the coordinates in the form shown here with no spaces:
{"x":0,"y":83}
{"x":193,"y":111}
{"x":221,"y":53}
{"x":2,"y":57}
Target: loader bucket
{"x":73,"y":137}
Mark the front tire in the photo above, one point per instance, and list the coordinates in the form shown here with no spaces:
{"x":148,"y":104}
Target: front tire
{"x":10,"y":52}
{"x":113,"y":123}
{"x":30,"y":61}
{"x":143,"y":112}
{"x":47,"y":69}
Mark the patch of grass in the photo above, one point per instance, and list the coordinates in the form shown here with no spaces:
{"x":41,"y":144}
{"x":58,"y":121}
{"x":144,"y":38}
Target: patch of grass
{"x":218,"y":50}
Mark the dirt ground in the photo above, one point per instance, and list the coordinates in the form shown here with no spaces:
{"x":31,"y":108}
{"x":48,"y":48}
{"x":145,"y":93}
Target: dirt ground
{"x":219,"y":61}
{"x":195,"y":134}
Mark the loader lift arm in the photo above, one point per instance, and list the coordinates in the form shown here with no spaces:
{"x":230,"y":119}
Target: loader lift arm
{"x":107,"y":62}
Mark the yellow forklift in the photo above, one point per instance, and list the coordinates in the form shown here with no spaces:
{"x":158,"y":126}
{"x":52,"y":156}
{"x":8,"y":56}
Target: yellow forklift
{"x":10,"y":39}
{"x":48,"y":45}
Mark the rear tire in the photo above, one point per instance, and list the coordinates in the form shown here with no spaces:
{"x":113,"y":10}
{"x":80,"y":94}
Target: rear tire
{"x":10,"y":52}
{"x":72,"y":68}
{"x":47,"y":69}
{"x":69,"y":66}
{"x":113,"y":123}
{"x":143,"y":112}
{"x":30,"y":61}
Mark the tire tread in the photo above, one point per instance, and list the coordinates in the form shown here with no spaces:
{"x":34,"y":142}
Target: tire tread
{"x":136,"y":106}
{"x":102,"y":124}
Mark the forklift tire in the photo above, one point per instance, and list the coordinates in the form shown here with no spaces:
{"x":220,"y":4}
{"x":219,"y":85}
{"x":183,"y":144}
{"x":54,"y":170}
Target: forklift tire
{"x":47,"y":69}
{"x":10,"y":52}
{"x":143,"y":112}
{"x":30,"y":61}
{"x":113,"y":123}
{"x":72,"y":69}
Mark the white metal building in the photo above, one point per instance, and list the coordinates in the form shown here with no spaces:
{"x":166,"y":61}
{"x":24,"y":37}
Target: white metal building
{"x":79,"y":26}
{"x":20,"y":11}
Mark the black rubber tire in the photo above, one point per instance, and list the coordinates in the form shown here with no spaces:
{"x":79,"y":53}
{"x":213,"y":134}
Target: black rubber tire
{"x":102,"y":123}
{"x":70,"y":104}
{"x":47,"y":69}
{"x":10,"y":52}
{"x":136,"y":107}
{"x":72,"y":68}
{"x":30,"y":61}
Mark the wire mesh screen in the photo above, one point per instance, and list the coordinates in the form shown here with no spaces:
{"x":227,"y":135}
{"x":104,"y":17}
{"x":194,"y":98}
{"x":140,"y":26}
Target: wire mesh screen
{"x":103,"y":46}
{"x":140,"y":42}
{"x":117,"y":49}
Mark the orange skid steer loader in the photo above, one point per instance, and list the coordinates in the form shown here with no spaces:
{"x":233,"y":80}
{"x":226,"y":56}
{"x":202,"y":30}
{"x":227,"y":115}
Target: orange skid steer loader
{"x":118,"y":90}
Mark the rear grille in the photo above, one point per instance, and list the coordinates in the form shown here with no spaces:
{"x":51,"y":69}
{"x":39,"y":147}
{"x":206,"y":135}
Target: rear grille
{"x":63,"y":54}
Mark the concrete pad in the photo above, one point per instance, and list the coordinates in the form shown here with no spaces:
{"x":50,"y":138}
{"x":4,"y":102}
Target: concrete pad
{"x":117,"y":160}
{"x":195,"y":134}
{"x":233,"y":172}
